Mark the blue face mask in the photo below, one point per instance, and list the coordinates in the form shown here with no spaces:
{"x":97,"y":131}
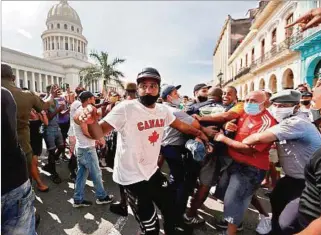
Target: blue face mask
{"x":252,"y":108}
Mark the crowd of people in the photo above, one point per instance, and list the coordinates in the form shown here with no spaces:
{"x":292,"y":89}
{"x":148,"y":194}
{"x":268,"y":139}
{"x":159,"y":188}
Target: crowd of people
{"x":213,"y":143}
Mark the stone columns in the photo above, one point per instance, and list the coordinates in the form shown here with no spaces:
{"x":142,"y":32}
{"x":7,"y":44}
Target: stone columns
{"x":33,"y":87}
{"x":25,"y":79}
{"x":52,"y":80}
{"x":46,"y":81}
{"x":17,"y":81}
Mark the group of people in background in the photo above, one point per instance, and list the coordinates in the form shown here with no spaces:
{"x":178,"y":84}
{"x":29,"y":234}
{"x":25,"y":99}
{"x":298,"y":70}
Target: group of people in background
{"x":214,"y":144}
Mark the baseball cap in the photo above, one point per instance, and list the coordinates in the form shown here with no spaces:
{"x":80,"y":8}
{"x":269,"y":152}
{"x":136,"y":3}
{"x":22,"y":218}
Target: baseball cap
{"x":85,"y":95}
{"x":149,"y":73}
{"x":200,"y":86}
{"x":167,"y":89}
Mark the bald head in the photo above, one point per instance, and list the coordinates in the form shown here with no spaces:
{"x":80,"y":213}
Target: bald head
{"x":256,"y":97}
{"x":215,"y":93}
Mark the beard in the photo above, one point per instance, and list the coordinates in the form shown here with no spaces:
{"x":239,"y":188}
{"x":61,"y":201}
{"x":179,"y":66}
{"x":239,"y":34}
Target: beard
{"x":201,"y":98}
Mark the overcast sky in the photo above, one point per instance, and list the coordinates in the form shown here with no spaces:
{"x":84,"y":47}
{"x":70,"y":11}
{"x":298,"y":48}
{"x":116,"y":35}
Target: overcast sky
{"x":177,"y":38}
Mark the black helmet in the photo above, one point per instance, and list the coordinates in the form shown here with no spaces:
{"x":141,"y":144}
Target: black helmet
{"x":149,"y":73}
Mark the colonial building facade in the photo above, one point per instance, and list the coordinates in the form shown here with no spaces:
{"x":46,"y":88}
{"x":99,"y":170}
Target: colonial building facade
{"x":272,"y":57}
{"x":64,"y":54}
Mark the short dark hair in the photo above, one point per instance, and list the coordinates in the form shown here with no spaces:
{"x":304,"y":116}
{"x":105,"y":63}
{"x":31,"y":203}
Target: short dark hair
{"x":85,"y":95}
{"x":185,"y":97}
{"x":233,"y":88}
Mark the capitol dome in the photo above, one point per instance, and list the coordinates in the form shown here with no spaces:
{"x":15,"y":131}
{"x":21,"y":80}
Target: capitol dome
{"x":63,"y":36}
{"x":63,"y":12}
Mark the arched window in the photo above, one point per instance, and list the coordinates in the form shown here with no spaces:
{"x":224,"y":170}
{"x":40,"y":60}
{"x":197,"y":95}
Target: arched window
{"x":72,"y":28}
{"x":58,"y":26}
{"x":51,"y":26}
{"x":65,"y":26}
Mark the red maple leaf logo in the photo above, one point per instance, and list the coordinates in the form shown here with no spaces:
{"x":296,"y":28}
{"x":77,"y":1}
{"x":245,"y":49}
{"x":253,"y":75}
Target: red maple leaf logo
{"x":153,"y":138}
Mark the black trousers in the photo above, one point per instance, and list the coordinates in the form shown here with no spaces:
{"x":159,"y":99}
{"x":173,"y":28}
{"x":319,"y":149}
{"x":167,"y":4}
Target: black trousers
{"x":286,"y":190}
{"x":141,"y":197}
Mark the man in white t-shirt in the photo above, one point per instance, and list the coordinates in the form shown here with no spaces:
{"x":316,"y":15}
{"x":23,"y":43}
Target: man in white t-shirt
{"x":72,"y":165}
{"x":87,"y":160}
{"x":140,"y":125}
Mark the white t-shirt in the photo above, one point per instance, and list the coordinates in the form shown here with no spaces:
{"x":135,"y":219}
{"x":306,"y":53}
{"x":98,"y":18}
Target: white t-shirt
{"x":73,"y":108}
{"x":140,"y":131}
{"x":82,"y":141}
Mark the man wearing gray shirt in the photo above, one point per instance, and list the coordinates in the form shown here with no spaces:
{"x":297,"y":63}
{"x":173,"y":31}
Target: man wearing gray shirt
{"x":296,"y":139}
{"x":183,"y":169}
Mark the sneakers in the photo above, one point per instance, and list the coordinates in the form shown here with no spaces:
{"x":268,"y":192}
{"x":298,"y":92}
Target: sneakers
{"x":84,"y":203}
{"x":264,"y":226}
{"x":223,"y":225}
{"x":119,"y":209}
{"x":108,"y":199}
{"x":196,"y":220}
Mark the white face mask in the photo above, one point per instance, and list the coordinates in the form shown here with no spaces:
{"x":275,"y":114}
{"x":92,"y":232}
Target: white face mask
{"x":177,"y":101}
{"x":281,"y":113}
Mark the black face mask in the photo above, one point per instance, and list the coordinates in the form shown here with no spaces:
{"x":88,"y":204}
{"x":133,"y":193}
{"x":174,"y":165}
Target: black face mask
{"x":148,"y":100}
{"x":306,"y":102}
{"x":202,"y":98}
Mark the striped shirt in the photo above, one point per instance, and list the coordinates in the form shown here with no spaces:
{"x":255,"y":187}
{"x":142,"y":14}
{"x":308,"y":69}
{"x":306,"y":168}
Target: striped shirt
{"x":310,"y":202}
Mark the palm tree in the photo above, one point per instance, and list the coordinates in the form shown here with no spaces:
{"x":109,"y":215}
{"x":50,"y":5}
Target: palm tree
{"x":102,"y":69}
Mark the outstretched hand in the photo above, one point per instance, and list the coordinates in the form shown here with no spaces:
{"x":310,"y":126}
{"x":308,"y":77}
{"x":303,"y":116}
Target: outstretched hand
{"x":309,"y":20}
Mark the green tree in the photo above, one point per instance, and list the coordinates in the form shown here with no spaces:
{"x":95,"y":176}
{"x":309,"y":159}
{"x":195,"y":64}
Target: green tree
{"x":102,"y":69}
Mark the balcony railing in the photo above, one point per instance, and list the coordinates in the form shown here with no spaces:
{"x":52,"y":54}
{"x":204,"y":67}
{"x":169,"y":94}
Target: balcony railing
{"x":277,"y":49}
{"x":227,"y":82}
{"x":242,"y":72}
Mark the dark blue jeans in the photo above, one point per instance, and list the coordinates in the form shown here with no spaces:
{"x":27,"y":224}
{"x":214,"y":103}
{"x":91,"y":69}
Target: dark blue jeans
{"x":184,"y":171}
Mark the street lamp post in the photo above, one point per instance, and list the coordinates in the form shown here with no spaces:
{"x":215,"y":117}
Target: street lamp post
{"x":220,"y":76}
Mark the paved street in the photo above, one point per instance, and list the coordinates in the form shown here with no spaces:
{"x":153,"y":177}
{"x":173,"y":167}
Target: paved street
{"x":58,"y":217}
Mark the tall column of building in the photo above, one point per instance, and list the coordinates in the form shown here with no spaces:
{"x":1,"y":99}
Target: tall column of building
{"x":25,"y":79}
{"x":17,"y":81}
{"x":46,"y":81}
{"x":33,"y":80}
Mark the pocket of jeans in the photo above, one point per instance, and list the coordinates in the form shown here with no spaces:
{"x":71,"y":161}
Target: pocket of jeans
{"x":21,"y":208}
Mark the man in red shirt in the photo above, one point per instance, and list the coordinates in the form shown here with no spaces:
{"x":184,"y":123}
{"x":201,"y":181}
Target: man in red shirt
{"x":244,"y":176}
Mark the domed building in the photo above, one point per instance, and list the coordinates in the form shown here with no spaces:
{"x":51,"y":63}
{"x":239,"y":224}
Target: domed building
{"x":64,"y":54}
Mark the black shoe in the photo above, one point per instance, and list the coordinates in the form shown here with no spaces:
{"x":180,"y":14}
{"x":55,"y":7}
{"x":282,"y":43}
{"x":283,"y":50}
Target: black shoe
{"x":194,"y":221}
{"x":55,"y":178}
{"x":37,"y":219}
{"x":84,"y":203}
{"x":108,"y":199}
{"x":223,"y":225}
{"x":119,"y":209}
